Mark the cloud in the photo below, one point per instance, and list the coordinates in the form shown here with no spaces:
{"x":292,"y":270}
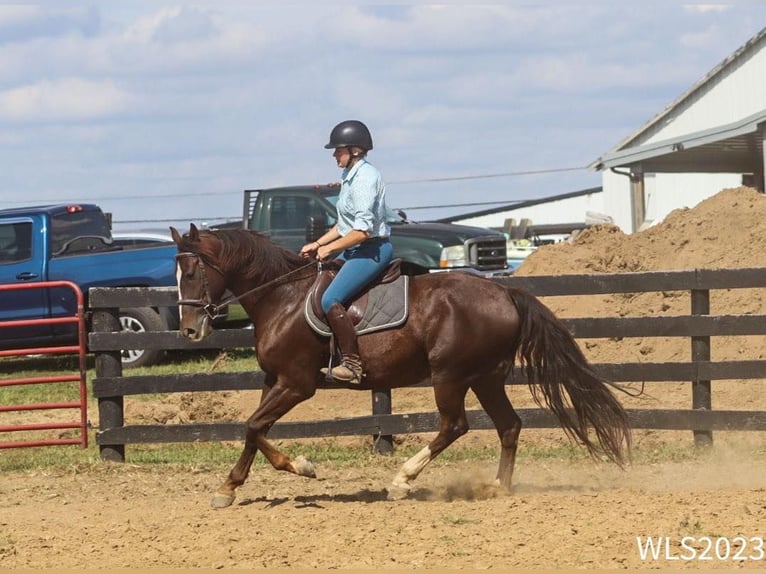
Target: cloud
{"x":24,"y":22}
{"x":218,"y":96}
{"x":702,"y":39}
{"x":64,"y":100}
{"x":705,"y":8}
{"x":175,"y":25}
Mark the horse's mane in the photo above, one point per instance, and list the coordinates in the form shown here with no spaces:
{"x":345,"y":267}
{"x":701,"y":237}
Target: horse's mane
{"x":248,"y":252}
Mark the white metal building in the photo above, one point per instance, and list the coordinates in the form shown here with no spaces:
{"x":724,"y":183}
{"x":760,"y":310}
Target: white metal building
{"x":710,"y":138}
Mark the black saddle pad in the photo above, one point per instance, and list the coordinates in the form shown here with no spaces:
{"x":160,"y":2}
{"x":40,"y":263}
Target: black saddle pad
{"x":387,"y":307}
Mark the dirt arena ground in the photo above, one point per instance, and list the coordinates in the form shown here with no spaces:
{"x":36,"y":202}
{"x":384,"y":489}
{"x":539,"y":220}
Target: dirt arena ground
{"x":563,"y":514}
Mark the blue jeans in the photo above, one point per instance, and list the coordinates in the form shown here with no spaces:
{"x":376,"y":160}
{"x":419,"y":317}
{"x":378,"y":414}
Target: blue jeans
{"x":362,"y":264}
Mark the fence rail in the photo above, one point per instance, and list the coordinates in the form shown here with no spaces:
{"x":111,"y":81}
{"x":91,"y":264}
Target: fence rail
{"x":110,"y":386}
{"x":75,"y":319}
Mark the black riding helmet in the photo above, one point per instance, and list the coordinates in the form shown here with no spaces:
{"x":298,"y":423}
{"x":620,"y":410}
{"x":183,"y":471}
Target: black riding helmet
{"x":350,"y":133}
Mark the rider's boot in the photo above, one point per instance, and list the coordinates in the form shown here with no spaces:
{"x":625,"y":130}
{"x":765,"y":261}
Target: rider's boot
{"x":350,"y":368}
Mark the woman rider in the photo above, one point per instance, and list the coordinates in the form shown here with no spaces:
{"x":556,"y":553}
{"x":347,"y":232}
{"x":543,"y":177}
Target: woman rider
{"x":360,"y":237}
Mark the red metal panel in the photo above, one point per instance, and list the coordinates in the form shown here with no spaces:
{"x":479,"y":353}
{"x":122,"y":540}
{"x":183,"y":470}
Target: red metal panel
{"x":37,"y":380}
{"x":80,"y":350}
{"x":39,"y":350}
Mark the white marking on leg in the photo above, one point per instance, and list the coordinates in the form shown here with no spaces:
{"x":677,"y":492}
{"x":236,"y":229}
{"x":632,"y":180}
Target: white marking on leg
{"x":412,"y":468}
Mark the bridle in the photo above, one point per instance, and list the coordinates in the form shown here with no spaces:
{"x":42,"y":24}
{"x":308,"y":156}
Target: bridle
{"x":205,"y":303}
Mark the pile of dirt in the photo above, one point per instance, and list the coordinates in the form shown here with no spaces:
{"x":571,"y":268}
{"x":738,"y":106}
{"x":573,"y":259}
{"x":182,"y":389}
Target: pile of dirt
{"x":725,"y":231}
{"x":185,"y":408}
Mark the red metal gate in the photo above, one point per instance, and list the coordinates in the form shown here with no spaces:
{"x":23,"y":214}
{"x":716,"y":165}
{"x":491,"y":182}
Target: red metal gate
{"x":80,"y":349}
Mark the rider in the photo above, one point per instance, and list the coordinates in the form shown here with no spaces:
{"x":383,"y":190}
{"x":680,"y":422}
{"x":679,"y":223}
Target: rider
{"x":360,"y":237}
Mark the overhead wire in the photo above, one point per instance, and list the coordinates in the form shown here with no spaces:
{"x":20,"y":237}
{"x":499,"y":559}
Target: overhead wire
{"x":392,"y":182}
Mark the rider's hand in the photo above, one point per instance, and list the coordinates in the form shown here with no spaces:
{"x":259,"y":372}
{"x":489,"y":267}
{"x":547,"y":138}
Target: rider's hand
{"x":324,"y":253}
{"x":309,"y":250}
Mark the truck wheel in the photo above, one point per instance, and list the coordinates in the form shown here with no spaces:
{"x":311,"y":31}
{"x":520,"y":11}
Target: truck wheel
{"x":138,"y":320}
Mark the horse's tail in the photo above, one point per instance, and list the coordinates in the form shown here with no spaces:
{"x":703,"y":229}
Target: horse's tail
{"x":553,"y":363}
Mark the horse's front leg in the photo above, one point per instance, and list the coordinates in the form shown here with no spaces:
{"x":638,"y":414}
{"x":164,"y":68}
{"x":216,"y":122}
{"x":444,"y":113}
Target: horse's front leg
{"x":275,"y":402}
{"x":237,"y":476}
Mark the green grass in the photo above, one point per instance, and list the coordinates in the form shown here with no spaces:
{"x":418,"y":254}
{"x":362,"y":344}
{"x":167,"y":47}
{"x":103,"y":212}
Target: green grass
{"x":236,"y":360}
{"x":220,"y":456}
{"x":23,"y":367}
{"x":207,"y":455}
{"x":649,"y":454}
{"x":45,"y":366}
{"x":224,"y":455}
{"x":237,"y":314}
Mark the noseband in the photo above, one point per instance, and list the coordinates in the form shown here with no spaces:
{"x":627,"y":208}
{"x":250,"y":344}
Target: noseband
{"x":210,"y":308}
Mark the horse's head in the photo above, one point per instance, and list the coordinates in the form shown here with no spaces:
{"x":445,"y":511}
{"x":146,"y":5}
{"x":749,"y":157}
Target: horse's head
{"x":200,"y":281}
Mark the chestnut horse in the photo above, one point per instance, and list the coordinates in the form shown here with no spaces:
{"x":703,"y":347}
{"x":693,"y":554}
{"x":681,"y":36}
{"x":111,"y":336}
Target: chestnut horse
{"x":463,"y":332}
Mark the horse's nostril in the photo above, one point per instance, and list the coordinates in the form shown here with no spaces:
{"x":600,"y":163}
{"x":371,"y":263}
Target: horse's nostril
{"x":188,"y":332}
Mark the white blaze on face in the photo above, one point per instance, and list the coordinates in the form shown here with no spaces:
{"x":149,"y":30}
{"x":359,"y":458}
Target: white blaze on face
{"x":180,"y":295}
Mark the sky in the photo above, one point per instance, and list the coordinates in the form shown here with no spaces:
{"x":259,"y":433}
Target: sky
{"x":163,"y":113}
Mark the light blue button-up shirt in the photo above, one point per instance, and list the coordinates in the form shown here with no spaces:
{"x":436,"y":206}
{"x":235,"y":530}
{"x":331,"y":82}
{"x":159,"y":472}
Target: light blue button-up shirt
{"x":362,"y":201}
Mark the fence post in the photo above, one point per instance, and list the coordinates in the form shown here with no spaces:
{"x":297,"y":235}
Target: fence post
{"x":109,"y":364}
{"x":701,"y":395}
{"x":381,"y":405}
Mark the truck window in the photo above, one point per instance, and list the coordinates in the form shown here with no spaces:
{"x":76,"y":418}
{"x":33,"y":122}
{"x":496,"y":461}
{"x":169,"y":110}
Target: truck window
{"x":15,"y":242}
{"x":67,"y":226}
{"x":292,"y":212}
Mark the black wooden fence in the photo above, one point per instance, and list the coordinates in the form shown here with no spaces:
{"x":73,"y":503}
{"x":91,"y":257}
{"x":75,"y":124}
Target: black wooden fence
{"x":110,"y":385}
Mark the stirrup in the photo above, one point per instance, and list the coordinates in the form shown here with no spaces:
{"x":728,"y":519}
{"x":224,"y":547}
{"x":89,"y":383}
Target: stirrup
{"x":349,"y":371}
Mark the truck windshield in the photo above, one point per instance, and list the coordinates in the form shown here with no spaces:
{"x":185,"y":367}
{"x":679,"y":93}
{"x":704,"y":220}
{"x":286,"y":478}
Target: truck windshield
{"x":67,"y":226}
{"x":391,"y":216}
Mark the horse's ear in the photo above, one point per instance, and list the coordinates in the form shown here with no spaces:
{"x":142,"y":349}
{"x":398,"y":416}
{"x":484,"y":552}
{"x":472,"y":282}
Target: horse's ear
{"x":193,"y":232}
{"x":175,"y":235}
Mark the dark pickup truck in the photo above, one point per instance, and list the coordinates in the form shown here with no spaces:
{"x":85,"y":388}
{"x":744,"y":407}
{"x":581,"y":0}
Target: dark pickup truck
{"x":74,"y":243}
{"x":293,"y":216}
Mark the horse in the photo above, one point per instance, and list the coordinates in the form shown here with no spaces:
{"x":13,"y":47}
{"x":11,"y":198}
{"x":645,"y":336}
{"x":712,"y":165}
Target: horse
{"x":463,"y":331}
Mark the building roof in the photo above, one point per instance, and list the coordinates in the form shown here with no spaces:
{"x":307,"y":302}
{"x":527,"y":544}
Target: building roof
{"x":693,"y":93}
{"x":520,"y":204}
{"x":732,"y":148}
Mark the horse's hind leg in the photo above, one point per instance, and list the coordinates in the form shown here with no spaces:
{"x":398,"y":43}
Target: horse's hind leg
{"x":494,"y":401}
{"x":450,"y":400}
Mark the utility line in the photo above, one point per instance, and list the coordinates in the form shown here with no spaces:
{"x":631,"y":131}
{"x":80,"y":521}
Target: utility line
{"x":475,"y":203}
{"x":485,"y":176}
{"x":226,"y":218}
{"x":120,"y":197}
{"x":237,"y":217}
{"x":394,"y":182}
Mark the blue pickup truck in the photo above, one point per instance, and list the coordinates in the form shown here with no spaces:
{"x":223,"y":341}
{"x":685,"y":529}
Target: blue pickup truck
{"x":74,"y":243}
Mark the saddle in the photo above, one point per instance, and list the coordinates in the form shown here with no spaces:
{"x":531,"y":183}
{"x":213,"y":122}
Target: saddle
{"x":383,"y":304}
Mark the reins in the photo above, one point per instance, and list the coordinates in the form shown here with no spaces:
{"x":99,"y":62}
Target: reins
{"x":211,"y":309}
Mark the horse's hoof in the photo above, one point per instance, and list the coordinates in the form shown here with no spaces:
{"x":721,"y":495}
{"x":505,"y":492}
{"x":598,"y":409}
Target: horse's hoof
{"x":221,"y":500}
{"x":304,"y":467}
{"x":502,"y":485}
{"x":398,"y":491}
